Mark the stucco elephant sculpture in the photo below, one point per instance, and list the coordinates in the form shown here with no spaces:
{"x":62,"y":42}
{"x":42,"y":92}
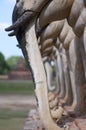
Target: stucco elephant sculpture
{"x":62,"y":30}
{"x":74,"y":11}
{"x":30,"y":18}
{"x":49,"y":73}
{"x":26,"y":37}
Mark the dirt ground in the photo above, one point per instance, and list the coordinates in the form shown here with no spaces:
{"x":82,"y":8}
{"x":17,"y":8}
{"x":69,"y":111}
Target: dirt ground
{"x":17,"y":101}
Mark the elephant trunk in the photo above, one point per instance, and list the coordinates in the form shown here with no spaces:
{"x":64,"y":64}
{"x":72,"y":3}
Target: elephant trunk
{"x":25,"y":18}
{"x":36,"y":64}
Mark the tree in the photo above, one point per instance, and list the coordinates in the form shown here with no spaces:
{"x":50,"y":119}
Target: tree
{"x":4,"y":67}
{"x":12,"y":61}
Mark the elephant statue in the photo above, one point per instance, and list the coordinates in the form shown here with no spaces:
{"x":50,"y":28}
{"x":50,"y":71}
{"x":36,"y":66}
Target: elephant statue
{"x":53,"y":27}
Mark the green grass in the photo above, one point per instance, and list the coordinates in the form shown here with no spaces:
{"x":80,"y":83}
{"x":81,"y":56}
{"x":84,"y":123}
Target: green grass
{"x":10,"y":114}
{"x":12,"y":124}
{"x":16,"y":87}
{"x":12,"y":120}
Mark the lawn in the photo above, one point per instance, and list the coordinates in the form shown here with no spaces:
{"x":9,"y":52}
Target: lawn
{"x":13,"y":116}
{"x":12,"y":120}
{"x":12,"y":124}
{"x":16,"y":87}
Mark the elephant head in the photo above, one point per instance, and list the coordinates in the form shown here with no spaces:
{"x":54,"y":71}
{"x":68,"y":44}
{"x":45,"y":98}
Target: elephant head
{"x":23,"y":13}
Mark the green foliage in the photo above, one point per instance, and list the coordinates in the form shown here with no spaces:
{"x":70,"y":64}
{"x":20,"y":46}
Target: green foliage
{"x":12,"y":61}
{"x":4,"y":67}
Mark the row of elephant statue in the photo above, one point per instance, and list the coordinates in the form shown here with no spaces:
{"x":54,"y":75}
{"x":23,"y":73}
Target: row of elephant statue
{"x":55,"y":30}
